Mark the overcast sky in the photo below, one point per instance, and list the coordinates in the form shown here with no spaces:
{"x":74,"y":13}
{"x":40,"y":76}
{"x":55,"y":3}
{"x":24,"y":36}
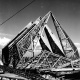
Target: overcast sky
{"x":67,"y":13}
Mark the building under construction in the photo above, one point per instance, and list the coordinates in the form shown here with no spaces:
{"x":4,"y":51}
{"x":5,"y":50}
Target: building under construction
{"x":50,"y":63}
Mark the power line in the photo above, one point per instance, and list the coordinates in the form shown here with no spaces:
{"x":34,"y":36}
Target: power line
{"x":17,"y":12}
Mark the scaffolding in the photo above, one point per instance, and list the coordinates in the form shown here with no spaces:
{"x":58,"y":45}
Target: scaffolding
{"x":50,"y":63}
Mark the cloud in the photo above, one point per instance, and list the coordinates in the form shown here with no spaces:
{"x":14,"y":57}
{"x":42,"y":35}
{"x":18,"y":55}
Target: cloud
{"x":78,"y":47}
{"x":4,"y":41}
{"x":3,"y":34}
{"x":77,"y":44}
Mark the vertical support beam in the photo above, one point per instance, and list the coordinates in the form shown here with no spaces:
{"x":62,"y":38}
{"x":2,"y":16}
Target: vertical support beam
{"x":43,"y":45}
{"x":70,"y":50}
{"x":1,"y":78}
{"x":56,"y":26}
{"x":53,"y":45}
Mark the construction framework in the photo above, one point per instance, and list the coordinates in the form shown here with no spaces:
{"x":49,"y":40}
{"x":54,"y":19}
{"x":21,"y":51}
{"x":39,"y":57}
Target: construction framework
{"x":50,"y":62}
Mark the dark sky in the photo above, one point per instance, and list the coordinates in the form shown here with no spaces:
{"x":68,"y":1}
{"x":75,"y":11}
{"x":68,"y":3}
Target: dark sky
{"x":67,"y":13}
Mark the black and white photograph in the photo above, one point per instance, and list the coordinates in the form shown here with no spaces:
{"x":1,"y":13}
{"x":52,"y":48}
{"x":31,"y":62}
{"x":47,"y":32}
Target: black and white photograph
{"x":39,"y":39}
